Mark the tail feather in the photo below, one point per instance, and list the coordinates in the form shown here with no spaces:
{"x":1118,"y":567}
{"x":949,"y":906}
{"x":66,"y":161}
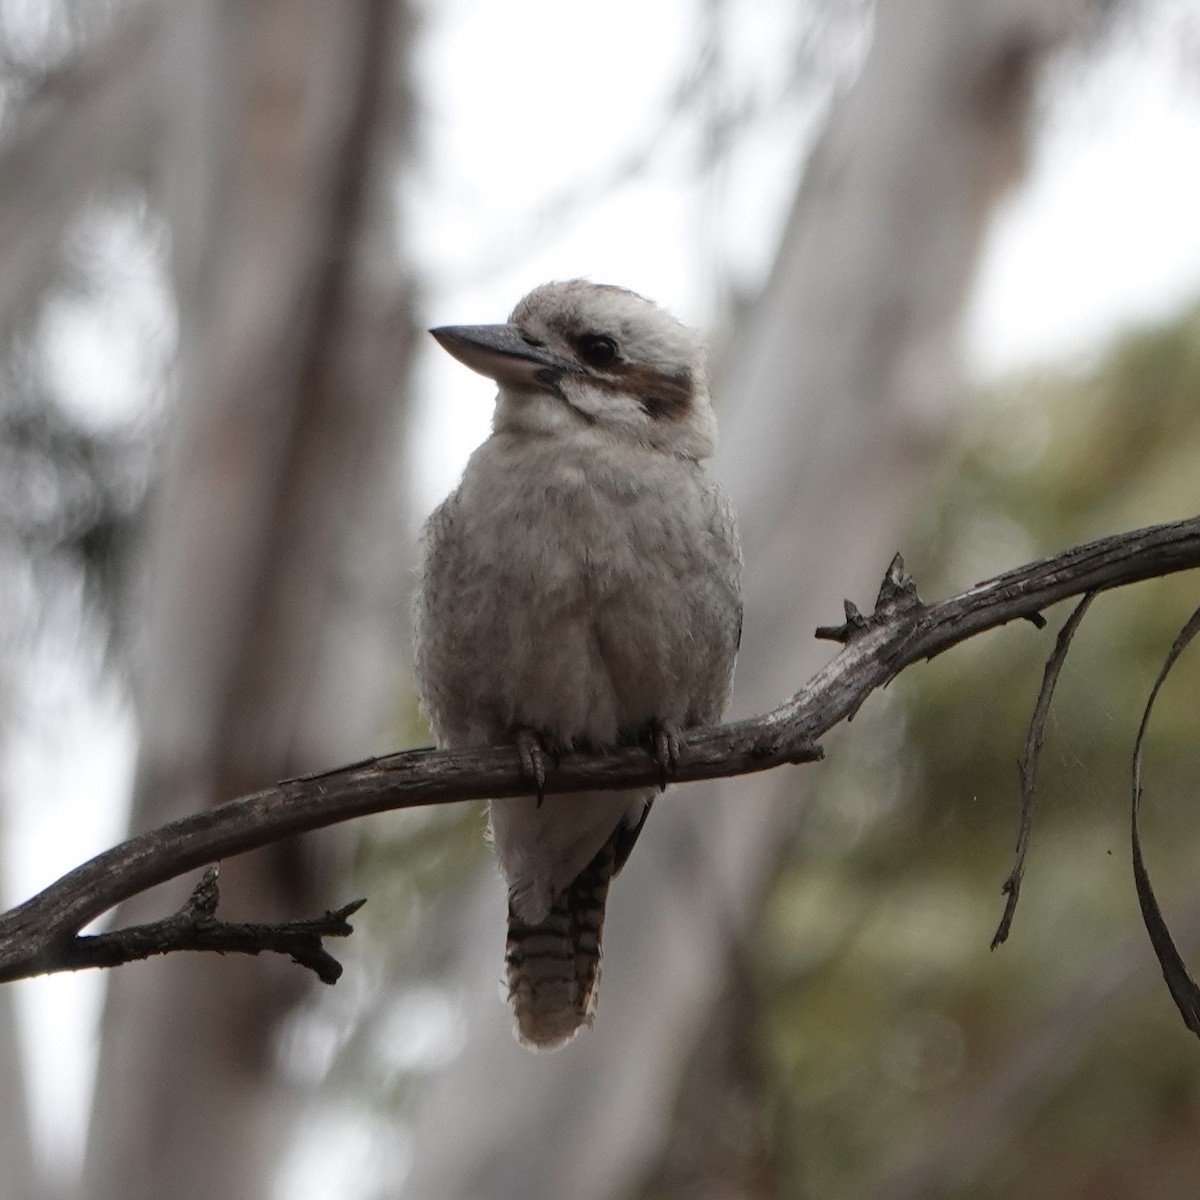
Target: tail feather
{"x":554,"y":965}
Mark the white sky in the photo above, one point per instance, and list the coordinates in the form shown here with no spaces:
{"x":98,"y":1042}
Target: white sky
{"x":1104,"y":233}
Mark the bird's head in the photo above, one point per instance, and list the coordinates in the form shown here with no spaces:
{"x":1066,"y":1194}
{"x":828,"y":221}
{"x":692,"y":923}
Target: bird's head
{"x":579,"y":355}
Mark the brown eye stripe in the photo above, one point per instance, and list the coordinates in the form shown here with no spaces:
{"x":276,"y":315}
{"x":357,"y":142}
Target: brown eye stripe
{"x":664,"y":397}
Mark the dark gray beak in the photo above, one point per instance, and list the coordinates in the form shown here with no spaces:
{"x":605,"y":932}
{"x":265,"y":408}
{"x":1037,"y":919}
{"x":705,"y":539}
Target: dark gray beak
{"x":501,"y":353}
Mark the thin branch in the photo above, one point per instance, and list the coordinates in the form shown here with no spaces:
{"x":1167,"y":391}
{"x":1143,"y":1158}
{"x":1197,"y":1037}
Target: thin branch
{"x":902,"y":630}
{"x":195,"y":927}
{"x":1029,"y":764}
{"x":1179,"y":982}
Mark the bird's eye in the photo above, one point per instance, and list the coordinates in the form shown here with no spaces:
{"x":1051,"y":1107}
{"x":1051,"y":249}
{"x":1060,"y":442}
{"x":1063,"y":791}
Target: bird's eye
{"x":597,"y":349}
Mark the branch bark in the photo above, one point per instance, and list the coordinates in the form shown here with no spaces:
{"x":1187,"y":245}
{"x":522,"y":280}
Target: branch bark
{"x":38,"y":936}
{"x":196,"y":927}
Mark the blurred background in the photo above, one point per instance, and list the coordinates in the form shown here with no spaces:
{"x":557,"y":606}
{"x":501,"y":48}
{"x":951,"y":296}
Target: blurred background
{"x":947,"y":259}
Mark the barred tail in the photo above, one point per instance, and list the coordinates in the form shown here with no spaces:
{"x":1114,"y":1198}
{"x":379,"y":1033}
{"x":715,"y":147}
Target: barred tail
{"x":554,"y":966}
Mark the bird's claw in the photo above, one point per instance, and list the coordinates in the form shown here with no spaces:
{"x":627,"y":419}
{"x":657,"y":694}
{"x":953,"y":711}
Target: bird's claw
{"x":533,"y":760}
{"x":665,"y":742}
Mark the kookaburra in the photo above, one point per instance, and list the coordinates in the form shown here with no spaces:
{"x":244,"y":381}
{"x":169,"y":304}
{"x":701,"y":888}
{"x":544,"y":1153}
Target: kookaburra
{"x":579,"y":589}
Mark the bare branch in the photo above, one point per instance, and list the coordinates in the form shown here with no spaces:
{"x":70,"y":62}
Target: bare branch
{"x":1179,"y":981}
{"x":901,"y":631}
{"x":195,"y":927}
{"x":1029,"y":764}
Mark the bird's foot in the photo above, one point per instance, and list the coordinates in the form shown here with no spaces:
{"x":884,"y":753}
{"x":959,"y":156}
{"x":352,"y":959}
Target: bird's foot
{"x":664,"y":743}
{"x":533,"y":753}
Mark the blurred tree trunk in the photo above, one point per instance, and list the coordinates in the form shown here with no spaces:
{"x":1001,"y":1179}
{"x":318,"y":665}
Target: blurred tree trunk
{"x":85,"y":124}
{"x":266,"y":572}
{"x":833,"y":400}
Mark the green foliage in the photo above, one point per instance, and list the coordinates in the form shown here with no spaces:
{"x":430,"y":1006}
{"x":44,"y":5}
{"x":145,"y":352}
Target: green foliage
{"x":892,"y":1034}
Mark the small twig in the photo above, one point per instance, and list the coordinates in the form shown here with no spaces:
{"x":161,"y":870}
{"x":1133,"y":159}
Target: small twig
{"x":1029,"y":764}
{"x":1179,"y":981}
{"x":897,"y":598}
{"x":195,"y":927}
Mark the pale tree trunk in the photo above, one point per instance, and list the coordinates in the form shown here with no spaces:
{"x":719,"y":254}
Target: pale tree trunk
{"x":832,"y":404}
{"x":88,"y":122}
{"x":265,"y":572}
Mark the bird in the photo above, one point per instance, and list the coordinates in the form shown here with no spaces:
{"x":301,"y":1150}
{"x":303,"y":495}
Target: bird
{"x":580,"y":589}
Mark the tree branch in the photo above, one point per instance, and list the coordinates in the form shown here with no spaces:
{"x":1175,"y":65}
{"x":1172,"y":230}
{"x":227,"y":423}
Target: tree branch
{"x":39,"y":936}
{"x":1029,"y":764}
{"x":1178,"y":979}
{"x":195,"y":927}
